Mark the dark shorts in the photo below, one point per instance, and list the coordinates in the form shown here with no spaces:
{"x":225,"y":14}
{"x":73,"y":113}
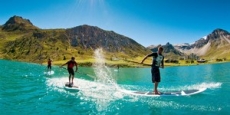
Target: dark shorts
{"x":71,"y":71}
{"x":49,"y":66}
{"x":155,"y":74}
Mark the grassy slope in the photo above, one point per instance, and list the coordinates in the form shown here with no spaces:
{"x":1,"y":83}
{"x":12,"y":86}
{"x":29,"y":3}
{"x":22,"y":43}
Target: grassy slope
{"x":218,"y":52}
{"x":6,"y":37}
{"x":48,"y":47}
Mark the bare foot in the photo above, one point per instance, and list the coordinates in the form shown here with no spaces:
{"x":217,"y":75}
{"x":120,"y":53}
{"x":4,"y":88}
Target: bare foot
{"x":157,"y":93}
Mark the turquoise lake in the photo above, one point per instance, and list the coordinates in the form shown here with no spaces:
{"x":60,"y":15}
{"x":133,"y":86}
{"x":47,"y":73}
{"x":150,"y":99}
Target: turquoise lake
{"x":26,"y":90}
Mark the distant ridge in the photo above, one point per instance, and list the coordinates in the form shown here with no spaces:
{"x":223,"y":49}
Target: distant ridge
{"x":169,"y":51}
{"x":93,"y":37}
{"x":213,"y":46}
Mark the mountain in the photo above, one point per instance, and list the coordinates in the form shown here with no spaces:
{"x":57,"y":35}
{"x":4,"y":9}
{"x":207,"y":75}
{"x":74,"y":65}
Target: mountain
{"x":18,"y":23}
{"x":21,"y":40}
{"x":218,"y":43}
{"x":169,"y":51}
{"x":151,"y":46}
{"x":90,"y":37}
{"x":212,"y":46}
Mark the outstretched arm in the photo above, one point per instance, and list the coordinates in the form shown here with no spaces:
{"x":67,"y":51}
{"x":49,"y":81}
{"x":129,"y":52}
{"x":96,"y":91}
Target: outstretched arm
{"x":145,"y":58}
{"x":63,"y":65}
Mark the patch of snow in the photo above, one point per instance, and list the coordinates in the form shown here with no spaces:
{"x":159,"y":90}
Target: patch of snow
{"x":205,"y":37}
{"x":183,"y":44}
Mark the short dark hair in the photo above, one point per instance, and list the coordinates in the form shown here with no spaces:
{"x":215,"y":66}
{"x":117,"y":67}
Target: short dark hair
{"x":161,"y":48}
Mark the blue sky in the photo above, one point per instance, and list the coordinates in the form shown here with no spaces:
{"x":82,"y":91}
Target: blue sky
{"x":149,"y":22}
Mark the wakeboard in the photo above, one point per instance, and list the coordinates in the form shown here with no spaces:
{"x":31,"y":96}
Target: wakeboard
{"x":49,"y":73}
{"x":71,"y":87}
{"x":167,"y":93}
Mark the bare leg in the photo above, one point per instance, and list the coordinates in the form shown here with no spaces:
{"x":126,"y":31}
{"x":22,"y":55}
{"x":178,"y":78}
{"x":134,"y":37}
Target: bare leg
{"x":155,"y":88}
{"x":69,"y":79}
{"x":72,"y":78}
{"x":48,"y":69}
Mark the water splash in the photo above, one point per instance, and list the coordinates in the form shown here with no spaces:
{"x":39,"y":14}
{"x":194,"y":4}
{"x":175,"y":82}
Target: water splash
{"x":107,"y":89}
{"x":210,"y":85}
{"x":103,"y":73}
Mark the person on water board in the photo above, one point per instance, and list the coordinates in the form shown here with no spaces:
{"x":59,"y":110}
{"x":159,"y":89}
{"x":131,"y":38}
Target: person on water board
{"x":70,"y":65}
{"x":157,"y":62}
{"x":49,"y":66}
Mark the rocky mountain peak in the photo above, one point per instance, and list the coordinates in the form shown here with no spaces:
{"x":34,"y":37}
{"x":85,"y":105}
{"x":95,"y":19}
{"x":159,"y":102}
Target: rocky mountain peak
{"x":92,"y":37}
{"x":168,"y":44}
{"x":199,"y":43}
{"x":18,"y":23}
{"x":217,"y":33}
{"x":170,"y":48}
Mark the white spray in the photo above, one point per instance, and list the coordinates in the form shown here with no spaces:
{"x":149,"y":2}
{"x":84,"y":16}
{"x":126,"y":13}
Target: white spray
{"x":103,"y":73}
{"x":107,"y":89}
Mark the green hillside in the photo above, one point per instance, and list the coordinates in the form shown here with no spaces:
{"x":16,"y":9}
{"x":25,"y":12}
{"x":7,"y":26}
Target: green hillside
{"x":25,"y":42}
{"x":218,"y":50}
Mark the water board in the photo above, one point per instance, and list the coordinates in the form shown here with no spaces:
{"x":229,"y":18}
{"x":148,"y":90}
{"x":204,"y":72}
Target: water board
{"x":168,"y":93}
{"x":49,"y":73}
{"x":72,"y":87}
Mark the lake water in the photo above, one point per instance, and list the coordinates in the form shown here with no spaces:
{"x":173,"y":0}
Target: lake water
{"x":26,"y":90}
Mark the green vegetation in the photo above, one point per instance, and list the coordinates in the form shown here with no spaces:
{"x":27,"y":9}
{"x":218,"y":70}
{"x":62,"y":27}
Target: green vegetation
{"x":22,"y":41}
{"x":37,"y":46}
